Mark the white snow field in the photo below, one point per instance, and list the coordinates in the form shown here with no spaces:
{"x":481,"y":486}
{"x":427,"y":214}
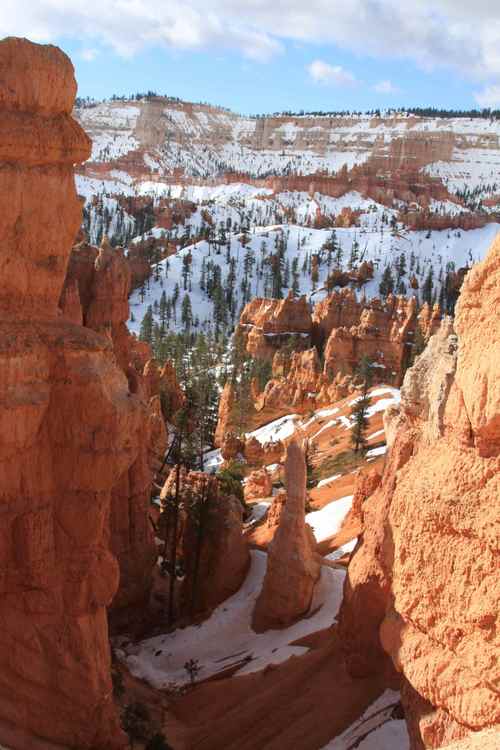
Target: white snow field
{"x":226,"y":639}
{"x":375,"y":729}
{"x":422,"y":250}
{"x":328,"y":520}
{"x":278,"y":429}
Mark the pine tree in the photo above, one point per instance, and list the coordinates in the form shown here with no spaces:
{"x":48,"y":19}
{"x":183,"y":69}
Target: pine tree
{"x":146,"y":329}
{"x":428,"y":286}
{"x":360,"y":408}
{"x":187,"y":312}
{"x":386,"y":285}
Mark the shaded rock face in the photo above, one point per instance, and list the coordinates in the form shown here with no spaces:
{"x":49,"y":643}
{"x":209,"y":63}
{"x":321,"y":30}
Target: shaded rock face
{"x":209,"y":541}
{"x":216,"y":553}
{"x":95,"y":293}
{"x":292,"y":567}
{"x":422,"y":585}
{"x":69,"y":426}
{"x":294,"y":387}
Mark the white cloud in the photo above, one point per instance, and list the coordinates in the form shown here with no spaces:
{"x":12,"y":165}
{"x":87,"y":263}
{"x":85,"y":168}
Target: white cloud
{"x":489,"y":97}
{"x":89,"y":54}
{"x":323,"y":72}
{"x":385,"y":87}
{"x":432,"y":33}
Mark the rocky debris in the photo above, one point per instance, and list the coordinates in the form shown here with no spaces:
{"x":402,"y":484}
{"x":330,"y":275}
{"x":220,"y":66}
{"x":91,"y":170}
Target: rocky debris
{"x":424,"y":577}
{"x":258,"y":484}
{"x":292,"y":567}
{"x":70,"y":427}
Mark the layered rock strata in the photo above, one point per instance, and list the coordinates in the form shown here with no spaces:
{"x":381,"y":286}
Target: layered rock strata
{"x":69,"y":426}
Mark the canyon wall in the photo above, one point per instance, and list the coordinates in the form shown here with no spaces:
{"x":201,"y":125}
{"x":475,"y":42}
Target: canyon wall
{"x":422,"y":586}
{"x":70,"y":427}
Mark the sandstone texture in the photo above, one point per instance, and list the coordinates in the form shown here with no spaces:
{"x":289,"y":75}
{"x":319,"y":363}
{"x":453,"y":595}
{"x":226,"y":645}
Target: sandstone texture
{"x":258,"y":484}
{"x":423,"y":583}
{"x":267,"y":324}
{"x":70,"y":427}
{"x":292,"y":567}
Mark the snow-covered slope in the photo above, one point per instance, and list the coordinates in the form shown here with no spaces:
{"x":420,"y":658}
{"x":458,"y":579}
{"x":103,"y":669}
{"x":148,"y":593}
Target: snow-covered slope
{"x":204,"y":141}
{"x":422,"y":250}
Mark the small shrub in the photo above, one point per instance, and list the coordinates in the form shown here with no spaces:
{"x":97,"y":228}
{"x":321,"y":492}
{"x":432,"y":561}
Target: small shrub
{"x":192,"y":667}
{"x":158,"y":742}
{"x":135,"y":721}
{"x":117,"y":680}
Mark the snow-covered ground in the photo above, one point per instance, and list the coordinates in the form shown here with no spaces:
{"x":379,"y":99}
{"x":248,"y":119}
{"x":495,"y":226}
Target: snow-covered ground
{"x":327,"y":521}
{"x":376,"y":729}
{"x":344,"y":549}
{"x":422,"y":250}
{"x":226,"y":639}
{"x":258,"y":510}
{"x":328,"y":480}
{"x":278,"y":429}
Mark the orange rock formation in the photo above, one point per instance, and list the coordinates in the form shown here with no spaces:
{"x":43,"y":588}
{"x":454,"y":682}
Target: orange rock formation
{"x":69,"y":426}
{"x":266,"y":324}
{"x":424,"y":578}
{"x":292,"y":566}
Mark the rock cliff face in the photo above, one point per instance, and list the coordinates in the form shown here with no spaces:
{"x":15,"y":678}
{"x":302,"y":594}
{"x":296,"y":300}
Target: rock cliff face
{"x":292,"y":567}
{"x":345,"y":329}
{"x":95,"y":294}
{"x":422,"y":585}
{"x":266,"y":324}
{"x":69,"y":426}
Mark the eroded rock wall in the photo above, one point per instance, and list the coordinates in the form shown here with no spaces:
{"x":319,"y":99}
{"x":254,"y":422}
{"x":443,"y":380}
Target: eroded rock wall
{"x":69,"y":426}
{"x":423,"y":583}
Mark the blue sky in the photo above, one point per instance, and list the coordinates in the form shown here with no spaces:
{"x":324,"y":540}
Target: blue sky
{"x":282,"y":83}
{"x":254,"y":57}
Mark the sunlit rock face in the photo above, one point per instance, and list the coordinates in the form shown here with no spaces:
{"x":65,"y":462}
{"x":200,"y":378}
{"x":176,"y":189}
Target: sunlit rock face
{"x":69,"y":427}
{"x":422,"y":586}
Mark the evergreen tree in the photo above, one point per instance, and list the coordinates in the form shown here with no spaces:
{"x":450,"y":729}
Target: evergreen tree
{"x":428,"y":286}
{"x":146,"y":329}
{"x":360,"y":408}
{"x":386,"y":285}
{"x":187,"y":312}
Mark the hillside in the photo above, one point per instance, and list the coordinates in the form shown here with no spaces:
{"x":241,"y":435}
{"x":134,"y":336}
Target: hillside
{"x":166,"y":175}
{"x":156,"y":137}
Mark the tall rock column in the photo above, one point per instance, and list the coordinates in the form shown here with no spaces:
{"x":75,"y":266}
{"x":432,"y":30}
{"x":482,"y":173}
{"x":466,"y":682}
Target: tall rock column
{"x":292,"y":566}
{"x":69,"y":427}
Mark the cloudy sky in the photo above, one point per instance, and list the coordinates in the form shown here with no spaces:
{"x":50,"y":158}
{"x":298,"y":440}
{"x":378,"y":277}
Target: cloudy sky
{"x":261,"y":56}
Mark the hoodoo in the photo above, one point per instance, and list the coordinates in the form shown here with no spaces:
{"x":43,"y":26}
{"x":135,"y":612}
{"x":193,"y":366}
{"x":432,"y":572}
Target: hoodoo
{"x":69,"y":428}
{"x":292,"y":567}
